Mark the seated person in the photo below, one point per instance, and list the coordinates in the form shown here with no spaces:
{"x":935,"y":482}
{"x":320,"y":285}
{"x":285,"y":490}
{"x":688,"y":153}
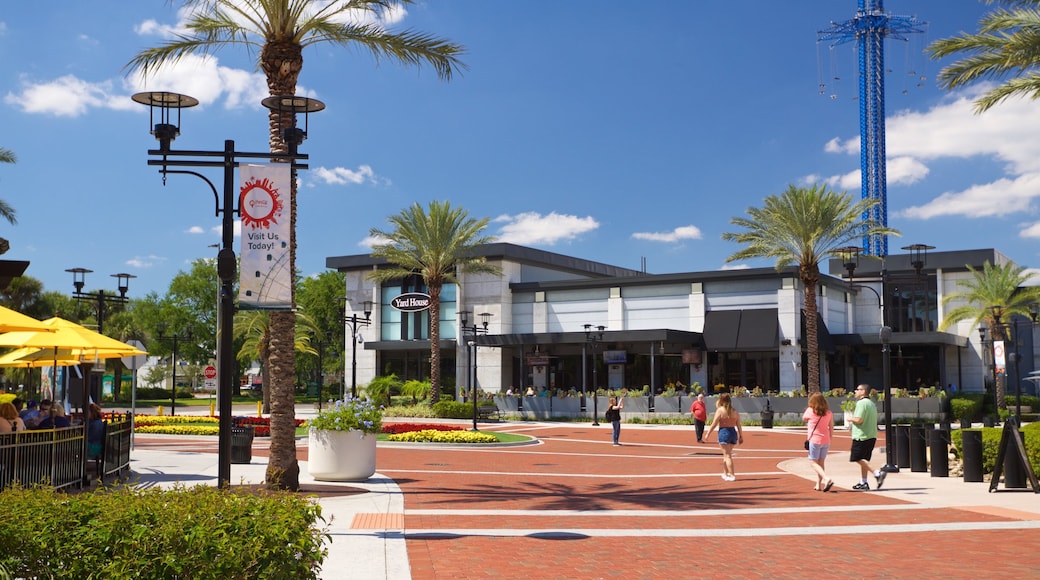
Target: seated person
{"x":31,"y":412}
{"x":95,"y":431}
{"x":55,"y":419}
{"x":10,"y":422}
{"x":45,"y":412}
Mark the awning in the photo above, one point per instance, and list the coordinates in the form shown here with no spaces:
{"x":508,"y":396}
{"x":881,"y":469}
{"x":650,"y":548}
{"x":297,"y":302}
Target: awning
{"x":741,"y":330}
{"x":824,"y":341}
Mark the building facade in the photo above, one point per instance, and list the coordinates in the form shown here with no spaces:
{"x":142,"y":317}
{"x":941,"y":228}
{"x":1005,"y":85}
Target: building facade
{"x":715,"y":328}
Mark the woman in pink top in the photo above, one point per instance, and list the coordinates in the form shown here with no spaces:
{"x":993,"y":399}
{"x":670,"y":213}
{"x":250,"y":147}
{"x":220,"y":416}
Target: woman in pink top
{"x":820,"y":425}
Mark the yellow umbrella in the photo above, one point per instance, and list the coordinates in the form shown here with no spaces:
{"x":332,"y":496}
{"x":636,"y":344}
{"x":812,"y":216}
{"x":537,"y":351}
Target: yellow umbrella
{"x":35,"y":357}
{"x":63,"y":334}
{"x":12,"y":320}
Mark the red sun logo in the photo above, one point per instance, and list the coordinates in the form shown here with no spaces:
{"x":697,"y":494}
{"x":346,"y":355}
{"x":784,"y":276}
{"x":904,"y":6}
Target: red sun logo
{"x":259,"y":203}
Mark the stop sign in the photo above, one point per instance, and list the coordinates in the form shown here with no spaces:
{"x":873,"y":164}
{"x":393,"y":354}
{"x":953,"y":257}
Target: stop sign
{"x":210,"y":372}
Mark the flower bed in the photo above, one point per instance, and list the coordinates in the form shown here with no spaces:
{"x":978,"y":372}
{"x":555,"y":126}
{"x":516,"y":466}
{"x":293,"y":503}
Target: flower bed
{"x":395,"y":428}
{"x":439,"y":436}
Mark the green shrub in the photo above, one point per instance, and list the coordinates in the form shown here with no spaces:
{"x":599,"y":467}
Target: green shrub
{"x":453,"y":410}
{"x":991,"y":445}
{"x":200,"y":533}
{"x":965,"y":409}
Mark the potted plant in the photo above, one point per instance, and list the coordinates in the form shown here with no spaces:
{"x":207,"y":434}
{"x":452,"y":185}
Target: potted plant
{"x":847,"y":406}
{"x":341,"y":444}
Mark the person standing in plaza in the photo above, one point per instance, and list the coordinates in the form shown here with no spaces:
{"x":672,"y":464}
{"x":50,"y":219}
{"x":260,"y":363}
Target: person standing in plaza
{"x":613,"y":415}
{"x":700,"y":416}
{"x":864,"y":436}
{"x":820,"y":424}
{"x":727,"y":421}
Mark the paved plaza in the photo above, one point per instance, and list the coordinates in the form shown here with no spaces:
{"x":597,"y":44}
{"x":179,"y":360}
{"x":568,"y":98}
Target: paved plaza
{"x":573,"y":506}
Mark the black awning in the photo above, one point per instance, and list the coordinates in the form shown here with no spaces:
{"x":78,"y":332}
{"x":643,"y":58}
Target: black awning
{"x":721,"y":328}
{"x":758,"y":330}
{"x":824,"y":341}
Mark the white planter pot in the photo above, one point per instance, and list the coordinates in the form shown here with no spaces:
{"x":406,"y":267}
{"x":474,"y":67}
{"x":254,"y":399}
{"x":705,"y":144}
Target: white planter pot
{"x":341,"y":455}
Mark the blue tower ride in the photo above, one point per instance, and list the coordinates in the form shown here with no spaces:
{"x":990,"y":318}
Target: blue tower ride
{"x":869,"y":29}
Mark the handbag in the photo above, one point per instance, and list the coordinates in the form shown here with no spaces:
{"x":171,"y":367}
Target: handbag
{"x":811,"y":434}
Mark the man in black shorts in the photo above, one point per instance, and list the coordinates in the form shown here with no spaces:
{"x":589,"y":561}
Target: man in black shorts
{"x":864,"y":436}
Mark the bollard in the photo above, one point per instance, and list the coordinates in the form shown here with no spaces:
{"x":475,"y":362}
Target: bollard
{"x":212,"y":409}
{"x":159,"y":410}
{"x":939,"y":445}
{"x":971,"y":454}
{"x":259,"y":408}
{"x":918,"y":448}
{"x":902,"y":433}
{"x":1014,"y":473}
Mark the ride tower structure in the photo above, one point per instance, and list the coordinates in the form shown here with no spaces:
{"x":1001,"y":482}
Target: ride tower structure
{"x":868,"y":29}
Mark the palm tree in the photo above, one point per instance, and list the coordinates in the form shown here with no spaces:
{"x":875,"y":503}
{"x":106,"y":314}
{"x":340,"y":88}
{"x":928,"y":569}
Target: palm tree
{"x":6,"y":211}
{"x":1007,"y":45}
{"x":254,"y":328}
{"x":434,"y":246}
{"x":995,"y":288}
{"x":804,"y":226}
{"x":278,"y":31}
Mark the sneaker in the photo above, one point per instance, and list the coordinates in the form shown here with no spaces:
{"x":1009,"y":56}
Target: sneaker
{"x":880,"y":477}
{"x":863,"y":486}
{"x":725,"y":477}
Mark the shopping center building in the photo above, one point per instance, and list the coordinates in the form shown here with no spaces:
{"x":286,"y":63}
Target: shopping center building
{"x":557,"y":321}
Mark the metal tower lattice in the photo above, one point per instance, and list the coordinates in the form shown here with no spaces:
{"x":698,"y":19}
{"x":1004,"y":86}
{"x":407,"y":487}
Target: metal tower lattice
{"x":869,"y":29}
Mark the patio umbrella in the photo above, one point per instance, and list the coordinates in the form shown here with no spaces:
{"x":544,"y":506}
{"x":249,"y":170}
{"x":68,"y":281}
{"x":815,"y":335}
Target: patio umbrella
{"x":63,"y":334}
{"x":12,"y":320}
{"x":36,"y":357}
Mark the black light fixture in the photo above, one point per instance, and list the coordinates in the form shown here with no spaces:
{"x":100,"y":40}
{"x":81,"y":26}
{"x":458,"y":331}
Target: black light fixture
{"x":355,"y":324}
{"x":100,"y":298}
{"x":162,"y":124}
{"x":593,"y":339}
{"x":885,"y":335}
{"x":918,"y":255}
{"x":471,"y":347}
{"x":175,"y":339}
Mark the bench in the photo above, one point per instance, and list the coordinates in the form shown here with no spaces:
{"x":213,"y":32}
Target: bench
{"x":487,"y":412}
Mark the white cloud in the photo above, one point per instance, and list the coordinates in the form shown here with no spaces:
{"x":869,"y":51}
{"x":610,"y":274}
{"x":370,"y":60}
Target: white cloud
{"x":678,"y":234}
{"x":1001,"y":197}
{"x":342,"y":175}
{"x":145,"y":261}
{"x":734,"y":267}
{"x":65,"y":96}
{"x":531,"y":228}
{"x":370,"y":242}
{"x":196,"y":230}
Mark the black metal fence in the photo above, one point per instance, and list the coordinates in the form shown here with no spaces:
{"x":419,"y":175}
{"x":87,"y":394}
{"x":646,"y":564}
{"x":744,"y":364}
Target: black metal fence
{"x":54,"y":457}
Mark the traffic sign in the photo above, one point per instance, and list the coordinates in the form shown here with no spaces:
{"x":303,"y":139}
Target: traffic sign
{"x":210,"y":372}
{"x":136,"y":361}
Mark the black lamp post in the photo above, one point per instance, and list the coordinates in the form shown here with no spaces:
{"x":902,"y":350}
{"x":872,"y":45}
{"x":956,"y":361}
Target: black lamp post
{"x":99,"y":298}
{"x":1013,"y":357}
{"x":320,"y":344}
{"x":471,"y":347}
{"x":850,"y":261}
{"x":982,"y":338}
{"x":174,"y":339}
{"x":354,"y":324}
{"x":593,"y":339}
{"x":161,"y":105}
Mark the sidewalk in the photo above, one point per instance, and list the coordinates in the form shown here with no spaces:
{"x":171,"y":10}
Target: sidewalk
{"x":367,"y":530}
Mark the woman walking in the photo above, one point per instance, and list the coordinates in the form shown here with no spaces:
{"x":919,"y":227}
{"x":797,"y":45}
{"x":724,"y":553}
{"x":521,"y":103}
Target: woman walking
{"x":819,"y":421}
{"x":727,"y":420}
{"x":613,"y":415}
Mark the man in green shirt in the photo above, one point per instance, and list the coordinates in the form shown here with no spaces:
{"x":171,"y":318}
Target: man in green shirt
{"x":864,"y":436}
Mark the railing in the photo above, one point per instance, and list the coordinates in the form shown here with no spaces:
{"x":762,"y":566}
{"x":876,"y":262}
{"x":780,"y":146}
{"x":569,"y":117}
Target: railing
{"x":54,"y":457}
{"x":51,"y":457}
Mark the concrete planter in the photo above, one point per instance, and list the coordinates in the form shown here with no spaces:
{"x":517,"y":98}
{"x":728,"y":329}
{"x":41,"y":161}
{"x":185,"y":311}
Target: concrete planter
{"x":667,"y":405}
{"x":341,"y":455}
{"x":536,"y":407}
{"x":565,"y":406}
{"x":638,"y":404}
{"x":507,"y":404}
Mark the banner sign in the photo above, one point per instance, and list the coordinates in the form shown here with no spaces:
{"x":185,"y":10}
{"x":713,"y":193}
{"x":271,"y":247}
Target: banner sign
{"x":411,"y":302}
{"x":998,"y":356}
{"x":264,"y":205}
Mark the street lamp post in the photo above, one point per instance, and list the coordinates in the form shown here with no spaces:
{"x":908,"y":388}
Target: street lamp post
{"x":99,"y":298}
{"x":850,"y":260}
{"x":354,"y":324}
{"x":174,"y":338}
{"x":321,"y":344}
{"x":1014,"y":357}
{"x":471,"y":346}
{"x":161,"y":105}
{"x":982,"y":340}
{"x":593,"y":339}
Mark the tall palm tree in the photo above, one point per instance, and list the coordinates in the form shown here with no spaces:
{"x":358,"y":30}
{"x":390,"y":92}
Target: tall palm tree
{"x":6,"y":211}
{"x":804,"y":226}
{"x":1007,"y":46}
{"x":993,"y":286}
{"x":434,"y":246}
{"x":278,"y":31}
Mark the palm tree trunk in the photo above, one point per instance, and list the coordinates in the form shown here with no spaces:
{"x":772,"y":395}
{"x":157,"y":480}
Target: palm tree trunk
{"x":283,"y":469}
{"x":812,"y":344}
{"x":435,"y":343}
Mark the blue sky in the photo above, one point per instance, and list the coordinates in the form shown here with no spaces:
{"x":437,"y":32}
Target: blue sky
{"x":608,"y":131}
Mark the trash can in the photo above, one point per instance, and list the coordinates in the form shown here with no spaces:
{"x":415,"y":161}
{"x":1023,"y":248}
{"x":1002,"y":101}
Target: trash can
{"x":918,"y":448}
{"x":241,"y":444}
{"x":971,"y":454}
{"x":767,"y":419}
{"x":902,"y":458}
{"x":939,"y":446}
